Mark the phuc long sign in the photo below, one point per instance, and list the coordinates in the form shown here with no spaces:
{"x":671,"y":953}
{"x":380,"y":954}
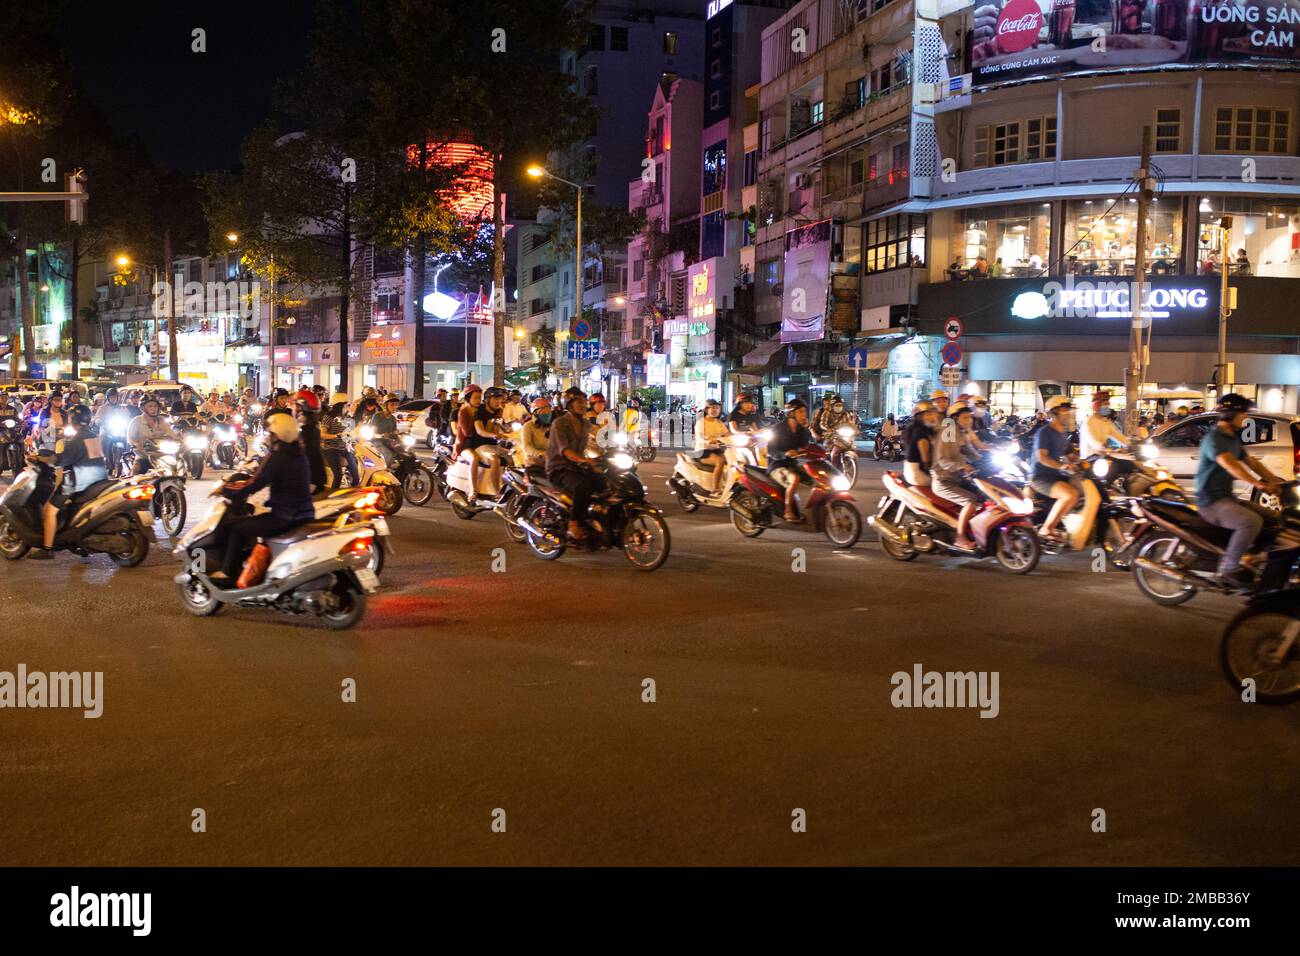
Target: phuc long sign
{"x":1109,"y":300}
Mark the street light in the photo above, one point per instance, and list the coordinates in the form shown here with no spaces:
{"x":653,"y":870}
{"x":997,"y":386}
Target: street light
{"x":232,"y":237}
{"x":537,"y":172}
{"x":124,"y":261}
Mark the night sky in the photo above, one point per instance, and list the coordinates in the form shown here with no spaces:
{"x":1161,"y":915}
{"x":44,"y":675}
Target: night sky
{"x":191,"y":109}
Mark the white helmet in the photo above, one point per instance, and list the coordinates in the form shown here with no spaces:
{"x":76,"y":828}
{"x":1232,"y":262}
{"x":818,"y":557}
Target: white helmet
{"x":284,"y":428}
{"x":1057,"y":401}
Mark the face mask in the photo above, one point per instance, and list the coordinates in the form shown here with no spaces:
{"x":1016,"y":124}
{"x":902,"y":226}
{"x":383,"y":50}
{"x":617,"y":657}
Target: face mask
{"x":544,"y":418}
{"x":1104,"y":411}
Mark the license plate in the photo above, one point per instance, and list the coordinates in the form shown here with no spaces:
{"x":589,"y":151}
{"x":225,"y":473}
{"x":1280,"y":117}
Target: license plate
{"x":369,"y":580}
{"x":381,"y":526}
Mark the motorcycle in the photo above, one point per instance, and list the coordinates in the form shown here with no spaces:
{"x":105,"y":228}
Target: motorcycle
{"x":466,"y":502}
{"x":228,"y":447}
{"x":442,"y":461}
{"x":104,"y":518}
{"x":373,"y":470}
{"x":1177,"y":552}
{"x":168,"y":473}
{"x":642,"y":451}
{"x":760,"y":501}
{"x":690,"y":483}
{"x":620,"y":516}
{"x":415,"y":476}
{"x":11,"y":446}
{"x":322,"y":568}
{"x":888,"y":448}
{"x":843,"y":451}
{"x":923,"y":522}
{"x":194,"y":441}
{"x":1262,"y":643}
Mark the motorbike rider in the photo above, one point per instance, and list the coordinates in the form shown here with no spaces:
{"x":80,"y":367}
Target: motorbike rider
{"x":50,"y":427}
{"x":1100,"y":429}
{"x":745,"y":418}
{"x":149,"y":427}
{"x":1051,"y":458}
{"x":632,"y":420}
{"x":334,"y":447}
{"x":710,"y":430}
{"x":951,"y":471}
{"x":112,"y":420}
{"x":889,"y":427}
{"x":939,"y":398}
{"x":80,"y":457}
{"x":789,"y":436}
{"x":514,"y":409}
{"x":1222,"y":458}
{"x":919,"y":443}
{"x":185,"y":406}
{"x":280,"y":404}
{"x":288,"y":474}
{"x":603,"y":424}
{"x":308,"y":414}
{"x":818,"y":423}
{"x":567,"y":464}
{"x":531,"y":450}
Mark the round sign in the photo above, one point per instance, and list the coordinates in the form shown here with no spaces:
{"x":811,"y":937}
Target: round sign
{"x":581,"y":329}
{"x":953,"y":328}
{"x":951,"y":354}
{"x":1018,"y":26}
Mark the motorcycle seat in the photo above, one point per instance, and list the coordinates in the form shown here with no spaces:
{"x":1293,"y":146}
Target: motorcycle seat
{"x":90,"y":491}
{"x":555,"y":491}
{"x":696,"y":455}
{"x":942,"y":503}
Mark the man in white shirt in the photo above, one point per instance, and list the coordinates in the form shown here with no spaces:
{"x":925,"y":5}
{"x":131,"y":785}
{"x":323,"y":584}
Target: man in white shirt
{"x":1100,"y":428}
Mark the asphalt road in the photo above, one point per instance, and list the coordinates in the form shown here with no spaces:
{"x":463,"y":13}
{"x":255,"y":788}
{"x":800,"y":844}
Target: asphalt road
{"x":523,"y":691}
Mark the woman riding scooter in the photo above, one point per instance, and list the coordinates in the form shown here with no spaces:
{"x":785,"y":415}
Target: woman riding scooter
{"x":288,"y":474}
{"x":709,"y":434}
{"x":82,"y":460}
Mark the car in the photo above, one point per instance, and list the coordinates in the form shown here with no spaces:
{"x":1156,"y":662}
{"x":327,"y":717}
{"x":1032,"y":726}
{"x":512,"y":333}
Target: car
{"x":1272,"y":438}
{"x":411,"y":419}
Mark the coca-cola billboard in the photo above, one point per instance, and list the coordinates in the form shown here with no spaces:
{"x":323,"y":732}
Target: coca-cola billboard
{"x":1027,"y":39}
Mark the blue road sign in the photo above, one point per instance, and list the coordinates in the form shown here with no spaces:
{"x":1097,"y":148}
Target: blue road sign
{"x":951,"y":354}
{"x":857,"y":358}
{"x":583,"y":351}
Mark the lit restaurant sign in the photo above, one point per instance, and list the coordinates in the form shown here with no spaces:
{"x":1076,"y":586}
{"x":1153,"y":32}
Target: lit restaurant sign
{"x":1108,"y":300}
{"x":715,"y":7}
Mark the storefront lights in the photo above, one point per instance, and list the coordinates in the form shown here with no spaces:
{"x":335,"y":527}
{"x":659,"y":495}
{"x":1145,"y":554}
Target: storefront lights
{"x":1030,"y":305}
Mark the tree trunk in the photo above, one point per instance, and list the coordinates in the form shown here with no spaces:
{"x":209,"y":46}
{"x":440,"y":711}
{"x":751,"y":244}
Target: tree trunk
{"x":498,"y":276}
{"x":26,"y":315}
{"x":76,"y":318}
{"x":346,"y":289}
{"x":421,"y":268}
{"x":173,"y":356}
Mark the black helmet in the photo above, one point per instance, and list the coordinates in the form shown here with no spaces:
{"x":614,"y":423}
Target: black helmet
{"x":571,"y":393}
{"x":713,"y":403}
{"x":280,"y":393}
{"x":80,"y":415}
{"x":1233,"y":404}
{"x":794,"y":405}
{"x":494,"y":391}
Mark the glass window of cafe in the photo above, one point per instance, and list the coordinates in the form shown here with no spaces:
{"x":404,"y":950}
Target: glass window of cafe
{"x":1263,"y":240}
{"x":894,"y":242}
{"x":1013,"y":398}
{"x":1101,"y":236}
{"x":1013,"y":241}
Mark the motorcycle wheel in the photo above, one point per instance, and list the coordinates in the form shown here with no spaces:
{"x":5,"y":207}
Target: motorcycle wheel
{"x":1160,"y":548}
{"x":1018,"y":549}
{"x":646,"y":453}
{"x":687,"y":500}
{"x":513,"y":512}
{"x":376,"y":557}
{"x":1247,"y":648}
{"x":875,"y":451}
{"x":897,"y":551}
{"x":195,"y":465}
{"x":352,"y":606}
{"x":849,"y":465}
{"x":545,"y":515}
{"x":843,"y":524}
{"x":750,"y":529}
{"x":226,"y":455}
{"x":419,"y":486}
{"x":172,"y":510}
{"x":12,"y":547}
{"x":138,"y":548}
{"x":390,"y":499}
{"x":646,"y":541}
{"x":460,"y":508}
{"x":429,"y":442}
{"x":196,"y":599}
{"x":440,"y":483}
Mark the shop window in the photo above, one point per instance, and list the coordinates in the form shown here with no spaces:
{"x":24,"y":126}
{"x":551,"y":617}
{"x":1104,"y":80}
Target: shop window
{"x":818,"y":112}
{"x":1101,"y":237}
{"x":670,"y":43}
{"x":1246,"y":129}
{"x":1013,"y":398}
{"x":1168,"y":130}
{"x":1001,"y":242}
{"x":894,"y":242}
{"x":1261,"y":240}
{"x":618,"y":39}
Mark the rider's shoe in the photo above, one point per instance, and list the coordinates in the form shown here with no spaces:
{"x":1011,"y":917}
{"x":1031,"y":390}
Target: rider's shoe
{"x":1239,"y":579}
{"x":40,"y":554}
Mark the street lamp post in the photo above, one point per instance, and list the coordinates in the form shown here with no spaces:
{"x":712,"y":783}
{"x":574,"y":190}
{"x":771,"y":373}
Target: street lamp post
{"x":537,"y":172}
{"x":123,"y":262}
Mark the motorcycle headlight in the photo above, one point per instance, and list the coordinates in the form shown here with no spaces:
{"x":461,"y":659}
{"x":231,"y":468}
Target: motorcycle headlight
{"x":740,"y":440}
{"x":1101,"y":467}
{"x":764,"y":435}
{"x":1162,"y":475}
{"x":10,"y":423}
{"x":367,"y":432}
{"x":169,"y":447}
{"x":1149,"y":450}
{"x":408,"y":441}
{"x":68,"y":431}
{"x":1019,"y":506}
{"x":255,"y":409}
{"x":239,"y":418}
{"x":620,"y":440}
{"x":840,"y":483}
{"x":844,"y":431}
{"x":621,"y":460}
{"x":1002,"y":459}
{"x":195,"y":442}
{"x":225,"y":434}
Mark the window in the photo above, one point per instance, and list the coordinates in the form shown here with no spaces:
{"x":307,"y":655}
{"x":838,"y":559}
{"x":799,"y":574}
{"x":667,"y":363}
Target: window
{"x":1018,"y":141}
{"x":765,"y":133}
{"x":769,"y":275}
{"x":596,"y":40}
{"x":618,"y":39}
{"x":894,"y":242}
{"x":1012,"y":241}
{"x":715,"y":68}
{"x":716,"y":37}
{"x":856,"y":168}
{"x":1013,"y":398}
{"x":1040,"y":138}
{"x":1101,"y":239}
{"x":1005,"y":146}
{"x":638,"y":270}
{"x":670,"y":43}
{"x":751,"y":168}
{"x":1245,"y":129}
{"x":715,"y":168}
{"x":818,"y":112}
{"x":715,"y":100}
{"x":1168,"y":129}
{"x":1259,"y":240}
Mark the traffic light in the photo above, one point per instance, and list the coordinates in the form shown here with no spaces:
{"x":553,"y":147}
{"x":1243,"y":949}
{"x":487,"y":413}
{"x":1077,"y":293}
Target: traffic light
{"x":74,"y":210}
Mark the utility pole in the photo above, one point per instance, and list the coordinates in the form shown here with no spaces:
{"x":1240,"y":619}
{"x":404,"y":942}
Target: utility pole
{"x":1222,"y":380}
{"x":577,"y":284}
{"x":1137,"y":348}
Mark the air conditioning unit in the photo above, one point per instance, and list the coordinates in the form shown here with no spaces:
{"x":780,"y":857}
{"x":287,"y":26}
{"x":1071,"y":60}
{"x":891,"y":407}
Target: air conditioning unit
{"x":803,"y":181}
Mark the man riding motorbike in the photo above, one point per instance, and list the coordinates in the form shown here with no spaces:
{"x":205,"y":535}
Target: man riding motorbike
{"x":789,"y":436}
{"x":333,"y":446}
{"x":1051,"y":459}
{"x":567,"y":465}
{"x":918,"y":442}
{"x":288,"y":474}
{"x":1222,"y":458}
{"x":185,"y":406}
{"x":603,"y":424}
{"x":744,"y":418}
{"x":952,"y":468}
{"x":818,"y":424}
{"x":531,"y":450}
{"x":1100,"y":429}
{"x":149,"y":427}
{"x":81,"y":458}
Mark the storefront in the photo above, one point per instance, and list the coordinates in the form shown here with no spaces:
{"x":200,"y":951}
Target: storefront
{"x":994,"y":241}
{"x":694,"y":372}
{"x":1263,"y":240}
{"x":1101,"y":236}
{"x":201,"y":359}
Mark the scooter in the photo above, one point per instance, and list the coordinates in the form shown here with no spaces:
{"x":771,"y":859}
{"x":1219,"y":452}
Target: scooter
{"x":167,"y":471}
{"x":843,"y":452}
{"x":194,"y":441}
{"x":760,"y":501}
{"x":1262,"y":644}
{"x":1178,"y":552}
{"x":373,"y":471}
{"x":227,"y":444}
{"x":108,"y":517}
{"x":690,"y":482}
{"x":888,"y":449}
{"x":466,"y":502}
{"x":415,"y":475}
{"x":914,"y":519}
{"x":318,"y":567}
{"x":11,"y":446}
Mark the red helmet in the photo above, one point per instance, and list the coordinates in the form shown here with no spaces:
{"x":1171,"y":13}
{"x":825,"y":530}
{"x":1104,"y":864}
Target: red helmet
{"x":592,"y":399}
{"x":469,"y":390}
{"x":308,"y":399}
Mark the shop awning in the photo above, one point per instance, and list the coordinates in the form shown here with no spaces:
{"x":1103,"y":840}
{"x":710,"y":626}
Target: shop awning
{"x":878,"y":354}
{"x":760,"y":356}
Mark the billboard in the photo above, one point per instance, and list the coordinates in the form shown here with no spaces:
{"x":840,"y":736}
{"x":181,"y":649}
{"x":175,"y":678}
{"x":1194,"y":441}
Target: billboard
{"x":807,"y":281}
{"x":1031,"y":39}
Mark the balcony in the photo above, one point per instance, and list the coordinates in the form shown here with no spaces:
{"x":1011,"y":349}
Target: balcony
{"x":886,"y":189}
{"x":895,"y":22}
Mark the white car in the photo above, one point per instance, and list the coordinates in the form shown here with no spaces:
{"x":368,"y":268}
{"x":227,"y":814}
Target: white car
{"x":1273,"y":439}
{"x":411,"y":420}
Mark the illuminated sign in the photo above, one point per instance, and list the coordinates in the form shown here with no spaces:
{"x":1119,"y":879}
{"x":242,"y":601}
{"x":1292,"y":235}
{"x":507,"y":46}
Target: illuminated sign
{"x":715,"y":7}
{"x":1113,"y":299}
{"x":470,"y":194}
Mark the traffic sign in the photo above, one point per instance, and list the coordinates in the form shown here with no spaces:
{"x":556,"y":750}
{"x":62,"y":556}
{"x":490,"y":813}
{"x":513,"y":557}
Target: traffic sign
{"x":949,"y":377}
{"x":857,"y":359}
{"x":951,"y":354}
{"x":953,"y":327}
{"x":581,"y":351}
{"x":580,"y":329}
